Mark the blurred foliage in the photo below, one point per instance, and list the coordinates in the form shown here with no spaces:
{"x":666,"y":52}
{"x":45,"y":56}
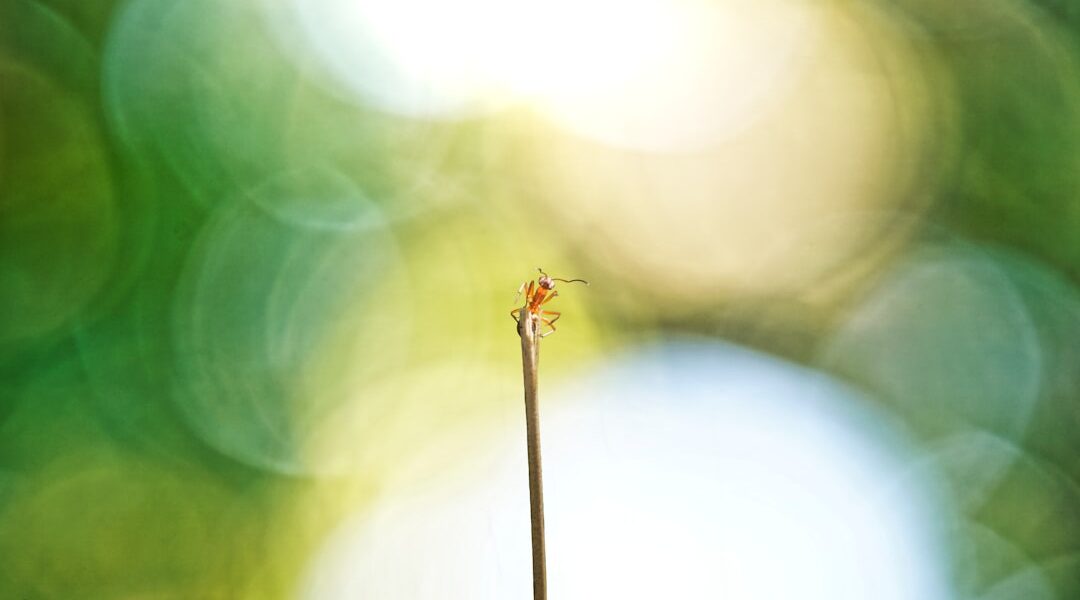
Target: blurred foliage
{"x":235,"y":296}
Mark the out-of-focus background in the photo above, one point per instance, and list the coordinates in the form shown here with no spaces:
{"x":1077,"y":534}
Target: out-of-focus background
{"x":257,"y":259}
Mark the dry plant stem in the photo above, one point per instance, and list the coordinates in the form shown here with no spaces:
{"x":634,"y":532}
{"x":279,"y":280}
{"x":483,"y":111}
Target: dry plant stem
{"x":530,"y":358}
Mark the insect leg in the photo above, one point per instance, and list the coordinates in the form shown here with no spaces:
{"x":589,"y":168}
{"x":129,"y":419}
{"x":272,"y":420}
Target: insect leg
{"x":520,"y":289}
{"x":550,"y":324}
{"x":550,"y":298}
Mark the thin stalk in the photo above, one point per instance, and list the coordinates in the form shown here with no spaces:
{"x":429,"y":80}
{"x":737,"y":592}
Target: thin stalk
{"x":530,"y":359}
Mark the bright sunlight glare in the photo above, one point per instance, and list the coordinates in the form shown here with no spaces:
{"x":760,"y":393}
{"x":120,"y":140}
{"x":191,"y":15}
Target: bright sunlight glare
{"x":651,"y":75}
{"x":674,"y":471}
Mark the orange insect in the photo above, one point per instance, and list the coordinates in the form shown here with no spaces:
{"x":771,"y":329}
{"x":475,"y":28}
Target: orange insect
{"x":537,"y":294}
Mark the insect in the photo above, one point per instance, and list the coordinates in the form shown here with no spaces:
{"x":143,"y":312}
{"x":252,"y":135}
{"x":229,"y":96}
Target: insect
{"x":537,"y":294}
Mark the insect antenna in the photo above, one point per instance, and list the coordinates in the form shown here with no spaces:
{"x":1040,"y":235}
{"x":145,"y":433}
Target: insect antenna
{"x":571,"y":280}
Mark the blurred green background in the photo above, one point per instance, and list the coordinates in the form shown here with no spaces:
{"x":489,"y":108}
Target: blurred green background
{"x":257,"y":257}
